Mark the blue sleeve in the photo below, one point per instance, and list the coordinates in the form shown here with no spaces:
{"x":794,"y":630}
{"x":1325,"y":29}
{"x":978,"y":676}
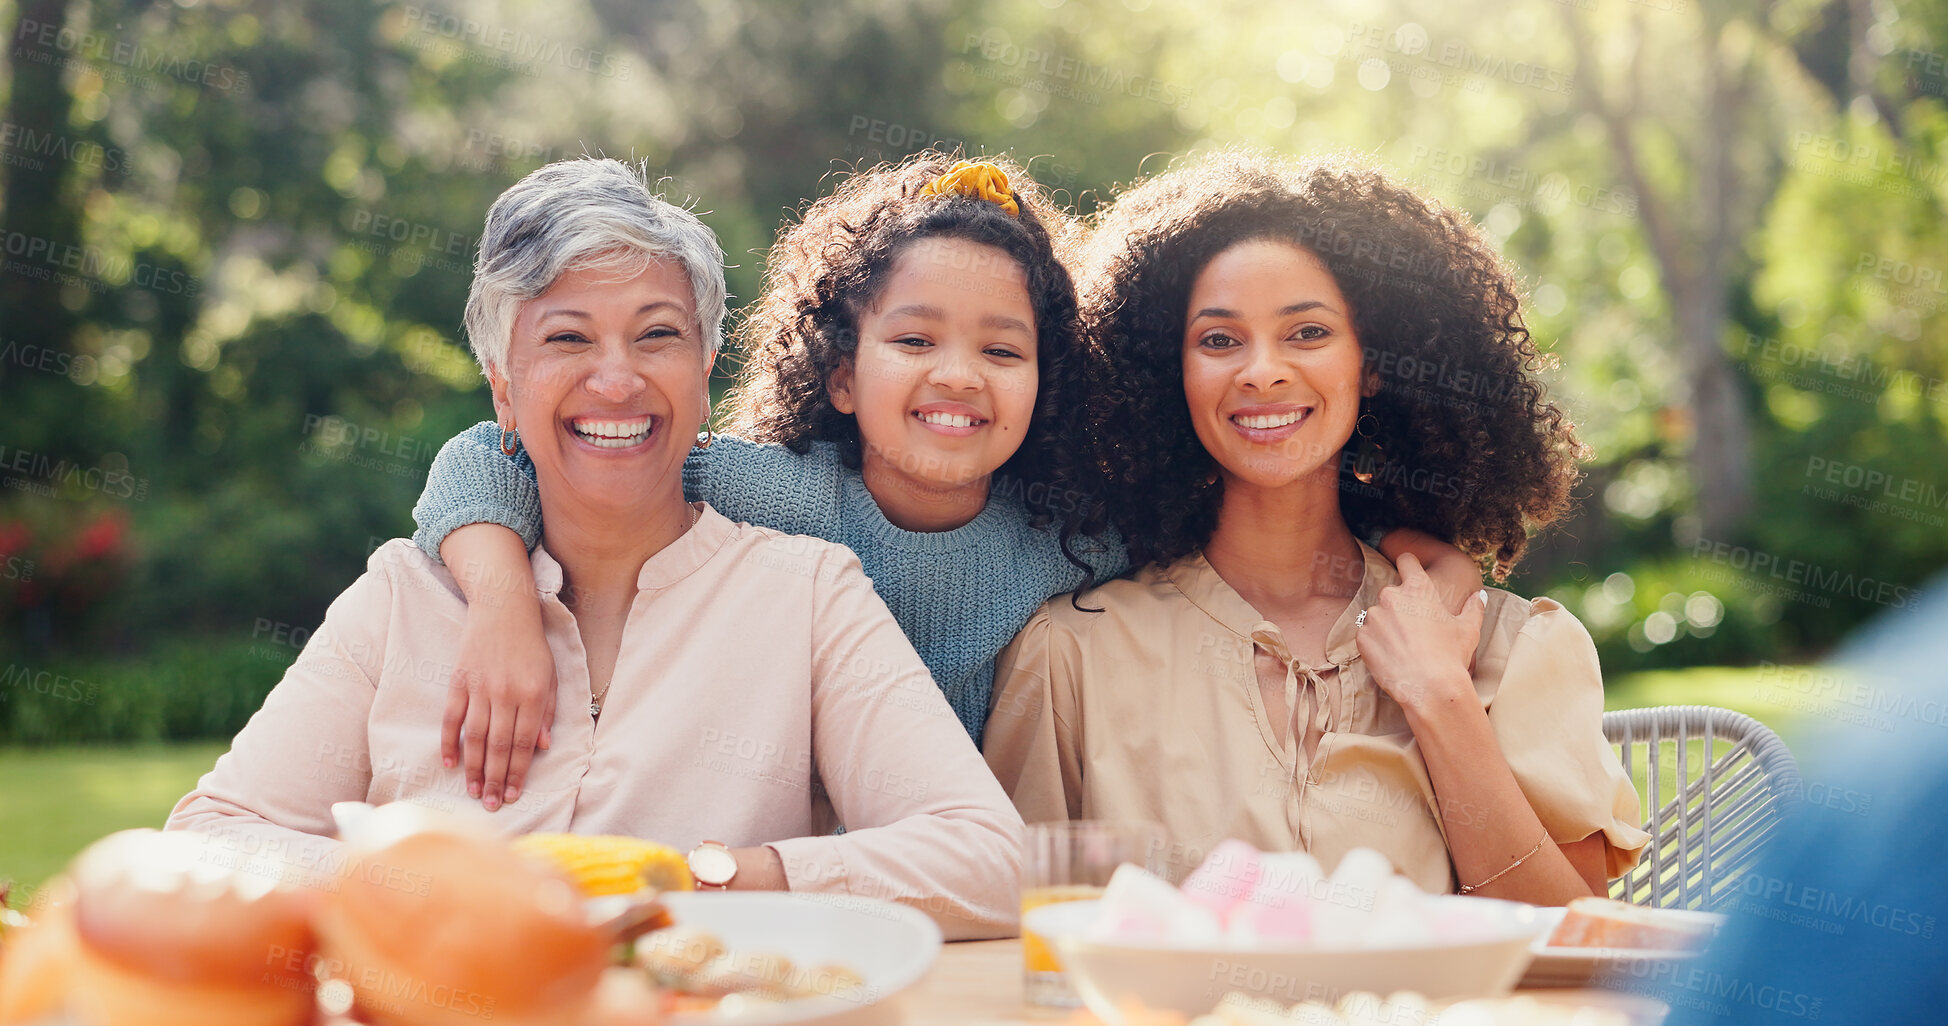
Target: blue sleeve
{"x":1104,"y":553}
{"x":767,"y":484}
{"x":473,"y":482}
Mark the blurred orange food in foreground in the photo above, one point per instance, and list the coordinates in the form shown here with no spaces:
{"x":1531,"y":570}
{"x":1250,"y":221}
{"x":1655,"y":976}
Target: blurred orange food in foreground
{"x":165,"y":929}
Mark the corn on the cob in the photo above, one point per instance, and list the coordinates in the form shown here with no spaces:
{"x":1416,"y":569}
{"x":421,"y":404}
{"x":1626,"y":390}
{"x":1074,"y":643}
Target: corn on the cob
{"x":611,"y":864}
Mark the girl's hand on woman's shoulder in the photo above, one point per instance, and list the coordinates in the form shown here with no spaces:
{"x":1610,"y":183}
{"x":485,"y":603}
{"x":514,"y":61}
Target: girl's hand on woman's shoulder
{"x":500,"y":704}
{"x":1417,"y":651}
{"x":500,"y":708}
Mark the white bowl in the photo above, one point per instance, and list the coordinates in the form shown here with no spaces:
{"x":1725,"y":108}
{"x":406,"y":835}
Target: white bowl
{"x":890,"y":946}
{"x":1191,"y":980}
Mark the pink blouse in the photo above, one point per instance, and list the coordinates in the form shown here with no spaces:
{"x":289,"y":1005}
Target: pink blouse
{"x":761,"y":686}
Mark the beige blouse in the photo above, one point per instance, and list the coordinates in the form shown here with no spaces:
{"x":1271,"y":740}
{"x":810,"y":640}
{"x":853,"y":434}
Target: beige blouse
{"x":1151,"y":710}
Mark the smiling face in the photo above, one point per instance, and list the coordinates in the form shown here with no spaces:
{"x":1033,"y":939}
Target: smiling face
{"x":943,"y":382}
{"x":606,"y":380}
{"x":1271,"y":365}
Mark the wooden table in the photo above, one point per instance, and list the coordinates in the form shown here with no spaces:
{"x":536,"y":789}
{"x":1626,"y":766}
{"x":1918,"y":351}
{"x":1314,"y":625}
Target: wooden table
{"x":978,"y":983}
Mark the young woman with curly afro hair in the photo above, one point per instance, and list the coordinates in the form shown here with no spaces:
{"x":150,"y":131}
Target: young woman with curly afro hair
{"x":1287,"y":358}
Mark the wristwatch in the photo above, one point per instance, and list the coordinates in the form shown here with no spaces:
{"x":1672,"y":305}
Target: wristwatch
{"x":713,"y":865}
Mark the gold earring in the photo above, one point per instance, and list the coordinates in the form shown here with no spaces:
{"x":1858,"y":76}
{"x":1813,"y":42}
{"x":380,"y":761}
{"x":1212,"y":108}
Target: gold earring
{"x":510,"y":440}
{"x":1369,"y":457}
{"x":708,"y":434}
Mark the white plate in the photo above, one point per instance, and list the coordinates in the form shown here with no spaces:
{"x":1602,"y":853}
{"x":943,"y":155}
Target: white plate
{"x":1192,"y":980}
{"x":890,"y":946}
{"x":1576,"y":967}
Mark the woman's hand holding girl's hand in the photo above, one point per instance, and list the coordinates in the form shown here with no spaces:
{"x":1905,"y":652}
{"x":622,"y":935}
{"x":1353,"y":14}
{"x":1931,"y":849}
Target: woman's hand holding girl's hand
{"x":1417,"y":651}
{"x":501,"y":701}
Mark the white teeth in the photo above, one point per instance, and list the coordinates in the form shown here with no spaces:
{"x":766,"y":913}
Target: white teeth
{"x":613,"y":428}
{"x":613,"y":434}
{"x":614,"y":443}
{"x":1269,"y":420}
{"x":947,"y":419}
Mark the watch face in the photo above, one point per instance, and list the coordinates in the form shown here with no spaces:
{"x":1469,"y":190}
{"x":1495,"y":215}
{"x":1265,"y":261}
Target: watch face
{"x":713,"y":865}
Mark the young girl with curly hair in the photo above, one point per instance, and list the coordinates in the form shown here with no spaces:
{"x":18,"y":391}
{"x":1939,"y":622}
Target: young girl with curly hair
{"x":915,"y":340}
{"x":1286,"y":359}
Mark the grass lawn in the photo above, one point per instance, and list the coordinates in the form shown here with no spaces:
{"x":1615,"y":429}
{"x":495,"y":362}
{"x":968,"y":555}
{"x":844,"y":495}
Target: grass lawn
{"x":54,"y":801}
{"x":1756,"y":692}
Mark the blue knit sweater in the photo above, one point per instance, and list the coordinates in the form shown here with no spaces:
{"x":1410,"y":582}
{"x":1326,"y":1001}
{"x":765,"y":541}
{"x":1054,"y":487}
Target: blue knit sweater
{"x":960,"y":595}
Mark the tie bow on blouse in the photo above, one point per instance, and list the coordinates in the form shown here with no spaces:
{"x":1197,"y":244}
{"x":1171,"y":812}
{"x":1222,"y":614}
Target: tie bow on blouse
{"x":1266,"y":635}
{"x":1326,"y":710}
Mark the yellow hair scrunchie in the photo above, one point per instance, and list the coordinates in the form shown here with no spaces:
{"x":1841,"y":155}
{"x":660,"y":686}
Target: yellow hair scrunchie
{"x":978,"y":179}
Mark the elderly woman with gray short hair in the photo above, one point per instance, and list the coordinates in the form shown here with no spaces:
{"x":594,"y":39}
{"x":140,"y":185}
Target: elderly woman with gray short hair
{"x":719,"y":682}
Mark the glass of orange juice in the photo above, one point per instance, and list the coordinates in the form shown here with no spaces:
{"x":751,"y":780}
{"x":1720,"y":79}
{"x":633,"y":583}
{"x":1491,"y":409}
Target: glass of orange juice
{"x":1072,"y":861}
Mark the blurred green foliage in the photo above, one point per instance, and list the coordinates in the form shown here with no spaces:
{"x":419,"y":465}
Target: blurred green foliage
{"x":238,"y":235}
{"x":177,"y":690}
